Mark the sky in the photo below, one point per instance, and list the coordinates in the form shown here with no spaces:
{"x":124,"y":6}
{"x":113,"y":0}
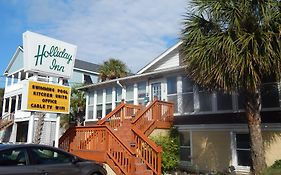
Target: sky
{"x":134,"y":31}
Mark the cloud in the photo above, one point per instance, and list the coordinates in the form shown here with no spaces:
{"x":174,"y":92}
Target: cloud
{"x":133,"y":31}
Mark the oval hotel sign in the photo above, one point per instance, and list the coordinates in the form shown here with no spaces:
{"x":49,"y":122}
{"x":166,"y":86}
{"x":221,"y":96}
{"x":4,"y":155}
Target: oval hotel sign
{"x":48,"y":56}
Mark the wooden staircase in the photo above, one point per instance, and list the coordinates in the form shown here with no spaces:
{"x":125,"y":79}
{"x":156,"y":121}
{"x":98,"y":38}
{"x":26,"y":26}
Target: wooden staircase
{"x":6,"y":121}
{"x":121,"y":138}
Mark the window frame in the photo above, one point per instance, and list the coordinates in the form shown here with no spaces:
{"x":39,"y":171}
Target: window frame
{"x":234,"y":152}
{"x":187,"y":163}
{"x":173,"y":95}
{"x":99,"y":103}
{"x":130,"y":100}
{"x":108,"y":102}
{"x":140,"y":97}
{"x":187,"y":93}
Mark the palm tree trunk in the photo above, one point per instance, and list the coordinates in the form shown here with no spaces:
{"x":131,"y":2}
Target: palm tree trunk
{"x":253,"y":108}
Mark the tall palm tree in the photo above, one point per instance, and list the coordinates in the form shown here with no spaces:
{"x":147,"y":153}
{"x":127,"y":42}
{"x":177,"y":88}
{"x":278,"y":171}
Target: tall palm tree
{"x":112,"y":69}
{"x":232,"y":45}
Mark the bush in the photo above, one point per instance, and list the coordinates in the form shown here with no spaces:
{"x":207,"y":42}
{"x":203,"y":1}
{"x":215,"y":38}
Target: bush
{"x":274,"y":169}
{"x":170,"y":147}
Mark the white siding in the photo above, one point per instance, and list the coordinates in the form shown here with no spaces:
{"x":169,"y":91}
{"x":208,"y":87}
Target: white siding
{"x":169,"y":61}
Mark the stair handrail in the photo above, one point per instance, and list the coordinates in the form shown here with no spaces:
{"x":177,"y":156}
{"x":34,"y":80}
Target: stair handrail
{"x":65,"y":139}
{"x":7,"y":118}
{"x":147,"y":145}
{"x":153,"y":107}
{"x":109,"y":115}
{"x":120,"y":113}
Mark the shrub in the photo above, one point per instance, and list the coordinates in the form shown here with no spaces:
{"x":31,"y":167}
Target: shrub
{"x":170,"y":147}
{"x":274,"y":169}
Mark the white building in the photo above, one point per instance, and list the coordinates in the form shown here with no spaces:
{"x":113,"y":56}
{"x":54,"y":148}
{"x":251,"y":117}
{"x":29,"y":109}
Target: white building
{"x":17,"y":125}
{"x":212,"y":126}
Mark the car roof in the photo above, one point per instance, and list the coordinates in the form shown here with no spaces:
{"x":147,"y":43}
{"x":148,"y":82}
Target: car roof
{"x":8,"y":146}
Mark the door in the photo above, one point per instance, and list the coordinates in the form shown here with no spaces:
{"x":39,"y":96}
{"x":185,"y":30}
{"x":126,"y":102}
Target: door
{"x":156,"y":91}
{"x":14,"y":162}
{"x":52,"y":162}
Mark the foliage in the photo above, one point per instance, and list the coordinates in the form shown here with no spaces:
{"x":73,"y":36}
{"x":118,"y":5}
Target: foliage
{"x":112,"y":69}
{"x":230,"y":45}
{"x":170,"y":146}
{"x":274,"y":169}
{"x":77,"y":108}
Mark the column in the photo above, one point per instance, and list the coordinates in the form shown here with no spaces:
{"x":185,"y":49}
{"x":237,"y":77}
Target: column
{"x":179,"y":94}
{"x":17,"y":102}
{"x":14,"y":133}
{"x":113,"y":98}
{"x":10,"y":105}
{"x":124,"y":93}
{"x":57,"y":134}
{"x":103,"y":103}
{"x":136,"y":94}
{"x":95,"y":106}
{"x":4,"y":106}
{"x":87,"y":106}
{"x":26,"y":75}
{"x":30,"y":128}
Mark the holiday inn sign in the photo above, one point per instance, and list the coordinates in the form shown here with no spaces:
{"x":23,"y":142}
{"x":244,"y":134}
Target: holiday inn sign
{"x":48,"y":56}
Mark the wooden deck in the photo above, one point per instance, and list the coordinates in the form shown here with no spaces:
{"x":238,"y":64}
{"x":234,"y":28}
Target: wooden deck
{"x":121,"y":138}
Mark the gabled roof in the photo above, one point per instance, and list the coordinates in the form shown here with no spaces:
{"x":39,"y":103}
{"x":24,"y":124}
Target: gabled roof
{"x":84,"y":65}
{"x":19,"y":49}
{"x":157,"y":59}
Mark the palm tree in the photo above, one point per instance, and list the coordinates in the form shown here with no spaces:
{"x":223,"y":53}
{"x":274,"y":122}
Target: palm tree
{"x":112,"y":69}
{"x":77,"y":108}
{"x":232,"y":45}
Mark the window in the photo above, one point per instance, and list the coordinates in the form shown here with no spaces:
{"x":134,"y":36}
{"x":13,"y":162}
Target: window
{"x":108,"y":100}
{"x":7,"y":105}
{"x":243,"y":151}
{"x":43,"y":156}
{"x":91,"y":98}
{"x":87,"y":79}
{"x":172,"y":91}
{"x":172,"y":85}
{"x":187,"y":95}
{"x":205,"y":100}
{"x":90,"y":112}
{"x":13,"y":105}
{"x":99,"y":103}
{"x":99,"y":111}
{"x":130,"y":94}
{"x":141,"y":92}
{"x":270,"y":95}
{"x":224,"y":101}
{"x":19,"y":102}
{"x":118,"y":96}
{"x":241,"y":101}
{"x":91,"y":105}
{"x":13,"y":157}
{"x":185,"y":146}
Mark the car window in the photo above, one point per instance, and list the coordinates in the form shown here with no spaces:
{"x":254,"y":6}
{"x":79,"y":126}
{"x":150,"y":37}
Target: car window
{"x":13,"y":157}
{"x":41,"y":156}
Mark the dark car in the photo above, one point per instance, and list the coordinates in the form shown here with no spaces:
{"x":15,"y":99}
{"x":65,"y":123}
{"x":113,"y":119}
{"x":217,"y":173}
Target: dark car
{"x":32,"y":159}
